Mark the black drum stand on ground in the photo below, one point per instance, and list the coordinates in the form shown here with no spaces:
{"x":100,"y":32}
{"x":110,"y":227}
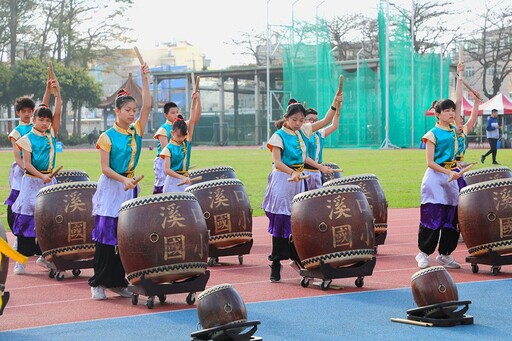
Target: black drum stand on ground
{"x":380,"y":238}
{"x":492,"y":258}
{"x":327,"y":273}
{"x":446,"y":314}
{"x":238,"y":250}
{"x":61,"y":265}
{"x":150,"y":289}
{"x":229,"y":332}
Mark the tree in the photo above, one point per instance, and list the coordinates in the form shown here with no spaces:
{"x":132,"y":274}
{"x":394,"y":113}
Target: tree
{"x":340,"y":30}
{"x":491,"y":47}
{"x":5,"y":83}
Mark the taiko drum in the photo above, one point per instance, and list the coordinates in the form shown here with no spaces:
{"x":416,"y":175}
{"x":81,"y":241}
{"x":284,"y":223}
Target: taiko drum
{"x":335,"y":175}
{"x":226,"y":209}
{"x":485,"y":216}
{"x":372,"y":189}
{"x":4,"y":264}
{"x":163,"y":237}
{"x":333,"y":225}
{"x":213,"y":173}
{"x":486,"y":174}
{"x":433,"y":285}
{"x":220,"y":305}
{"x":71,"y":175}
{"x":64,"y":222}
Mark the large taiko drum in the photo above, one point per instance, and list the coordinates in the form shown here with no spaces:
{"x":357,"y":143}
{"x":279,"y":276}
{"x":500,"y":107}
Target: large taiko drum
{"x":226,"y":209}
{"x":372,"y":189}
{"x":162,"y":237}
{"x":334,"y":225}
{"x":220,"y":305}
{"x":485,"y":216}
{"x":433,"y":285}
{"x":64,"y":222}
{"x":71,"y":175}
{"x":4,"y":264}
{"x":486,"y":174}
{"x":331,"y":176}
{"x":213,"y":173}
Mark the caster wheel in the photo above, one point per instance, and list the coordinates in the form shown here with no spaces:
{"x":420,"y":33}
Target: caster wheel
{"x":241,"y":259}
{"x":150,"y":303}
{"x":496,"y":270}
{"x":76,"y":272}
{"x":212,"y":261}
{"x":59,"y":276}
{"x":162,"y":298}
{"x":474,"y":268}
{"x":304,"y":282}
{"x":51,"y":274}
{"x":359,"y":282}
{"x":135,"y":299}
{"x":325,"y":285}
{"x":191,"y":298}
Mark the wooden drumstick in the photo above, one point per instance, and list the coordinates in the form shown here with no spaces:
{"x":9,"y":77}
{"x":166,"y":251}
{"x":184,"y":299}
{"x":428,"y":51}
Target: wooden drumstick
{"x":51,"y":75}
{"x":300,"y":178}
{"x":135,"y":181}
{"x":463,"y":170}
{"x":141,"y":61}
{"x":196,"y":89}
{"x":340,"y":86}
{"x":197,"y":178}
{"x":473,"y":91}
{"x":337,"y":170}
{"x":55,"y":172}
{"x":416,"y":323}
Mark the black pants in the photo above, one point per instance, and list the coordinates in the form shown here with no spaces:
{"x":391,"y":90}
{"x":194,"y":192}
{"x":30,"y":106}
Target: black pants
{"x":428,"y":239}
{"x":108,"y":269}
{"x":10,"y":216}
{"x":493,"y":143}
{"x":28,"y":246}
{"x":282,"y":249}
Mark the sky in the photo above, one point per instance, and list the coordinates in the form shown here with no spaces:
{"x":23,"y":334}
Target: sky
{"x":212,"y":24}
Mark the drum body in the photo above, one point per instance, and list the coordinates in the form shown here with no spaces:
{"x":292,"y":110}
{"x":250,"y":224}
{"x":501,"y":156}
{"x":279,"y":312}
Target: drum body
{"x":332,"y":176}
{"x":4,"y":264}
{"x":373,"y":192}
{"x":334,"y":225}
{"x":220,"y":305}
{"x":64,"y":222}
{"x":485,"y":216}
{"x":227,"y":211}
{"x":213,"y":173}
{"x":433,"y":285}
{"x":162,"y":237}
{"x":71,"y":175}
{"x":486,"y":174}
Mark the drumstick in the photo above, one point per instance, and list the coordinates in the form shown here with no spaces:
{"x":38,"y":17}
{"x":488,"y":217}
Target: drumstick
{"x":135,"y":181}
{"x":340,"y":86}
{"x":51,"y":75}
{"x":416,"y":323}
{"x":463,"y":170}
{"x":7,"y":250}
{"x":196,"y":89}
{"x":55,"y":172}
{"x":300,"y":178}
{"x":141,"y":61}
{"x":337,"y":170}
{"x":473,"y":91}
{"x":197,"y":178}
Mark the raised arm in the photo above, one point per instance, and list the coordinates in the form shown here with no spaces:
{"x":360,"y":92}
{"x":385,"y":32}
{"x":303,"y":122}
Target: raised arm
{"x":335,"y":120}
{"x":329,"y":115}
{"x":195,"y":115}
{"x":58,"y":106}
{"x":146,"y":98}
{"x":458,"y":93}
{"x":474,"y":114}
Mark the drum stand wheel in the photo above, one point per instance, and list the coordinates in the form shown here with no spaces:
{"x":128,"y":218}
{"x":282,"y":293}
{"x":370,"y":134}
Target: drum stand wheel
{"x":61,"y":265}
{"x":446,"y":314}
{"x":228,"y":332}
{"x":150,"y":289}
{"x":327,"y":273}
{"x":237,"y":250}
{"x":492,"y":258}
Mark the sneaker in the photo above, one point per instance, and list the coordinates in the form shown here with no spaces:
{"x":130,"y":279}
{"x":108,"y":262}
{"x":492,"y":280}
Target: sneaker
{"x":98,"y":293}
{"x":275,"y":272}
{"x":422,"y":259}
{"x":447,"y":262}
{"x":19,"y":269}
{"x":45,"y":264}
{"x":482,"y":158}
{"x":121,"y":291}
{"x":495,"y":163}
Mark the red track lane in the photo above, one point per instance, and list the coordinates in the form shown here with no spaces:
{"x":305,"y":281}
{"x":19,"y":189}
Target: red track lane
{"x":37,"y":300}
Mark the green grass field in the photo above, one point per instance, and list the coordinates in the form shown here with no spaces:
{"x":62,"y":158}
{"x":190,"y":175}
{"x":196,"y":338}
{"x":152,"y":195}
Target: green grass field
{"x":399,"y":171}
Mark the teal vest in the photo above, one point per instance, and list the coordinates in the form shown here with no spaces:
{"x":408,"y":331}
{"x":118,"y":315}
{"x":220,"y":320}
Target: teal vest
{"x":293,"y":147}
{"x":168,"y":128}
{"x":179,"y":154}
{"x":315,"y":146}
{"x":446,"y":145}
{"x":125,"y":151}
{"x":42,"y":149}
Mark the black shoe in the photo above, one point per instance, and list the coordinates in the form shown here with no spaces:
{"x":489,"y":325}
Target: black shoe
{"x":275,"y":272}
{"x":495,"y":163}
{"x":482,"y":159}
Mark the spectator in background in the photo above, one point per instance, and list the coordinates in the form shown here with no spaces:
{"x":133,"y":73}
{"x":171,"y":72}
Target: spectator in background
{"x":492,"y":131}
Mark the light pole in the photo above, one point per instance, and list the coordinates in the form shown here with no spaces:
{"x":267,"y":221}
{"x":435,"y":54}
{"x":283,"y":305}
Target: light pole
{"x":268,"y":73}
{"x":357,"y":92}
{"x":317,"y":61}
{"x":412,"y":73}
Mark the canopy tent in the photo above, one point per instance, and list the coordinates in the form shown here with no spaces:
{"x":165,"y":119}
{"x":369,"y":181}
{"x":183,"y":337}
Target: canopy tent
{"x":467,"y":106}
{"x":500,"y":102}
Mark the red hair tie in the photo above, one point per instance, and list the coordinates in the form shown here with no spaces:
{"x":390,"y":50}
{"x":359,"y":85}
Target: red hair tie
{"x":123,"y":93}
